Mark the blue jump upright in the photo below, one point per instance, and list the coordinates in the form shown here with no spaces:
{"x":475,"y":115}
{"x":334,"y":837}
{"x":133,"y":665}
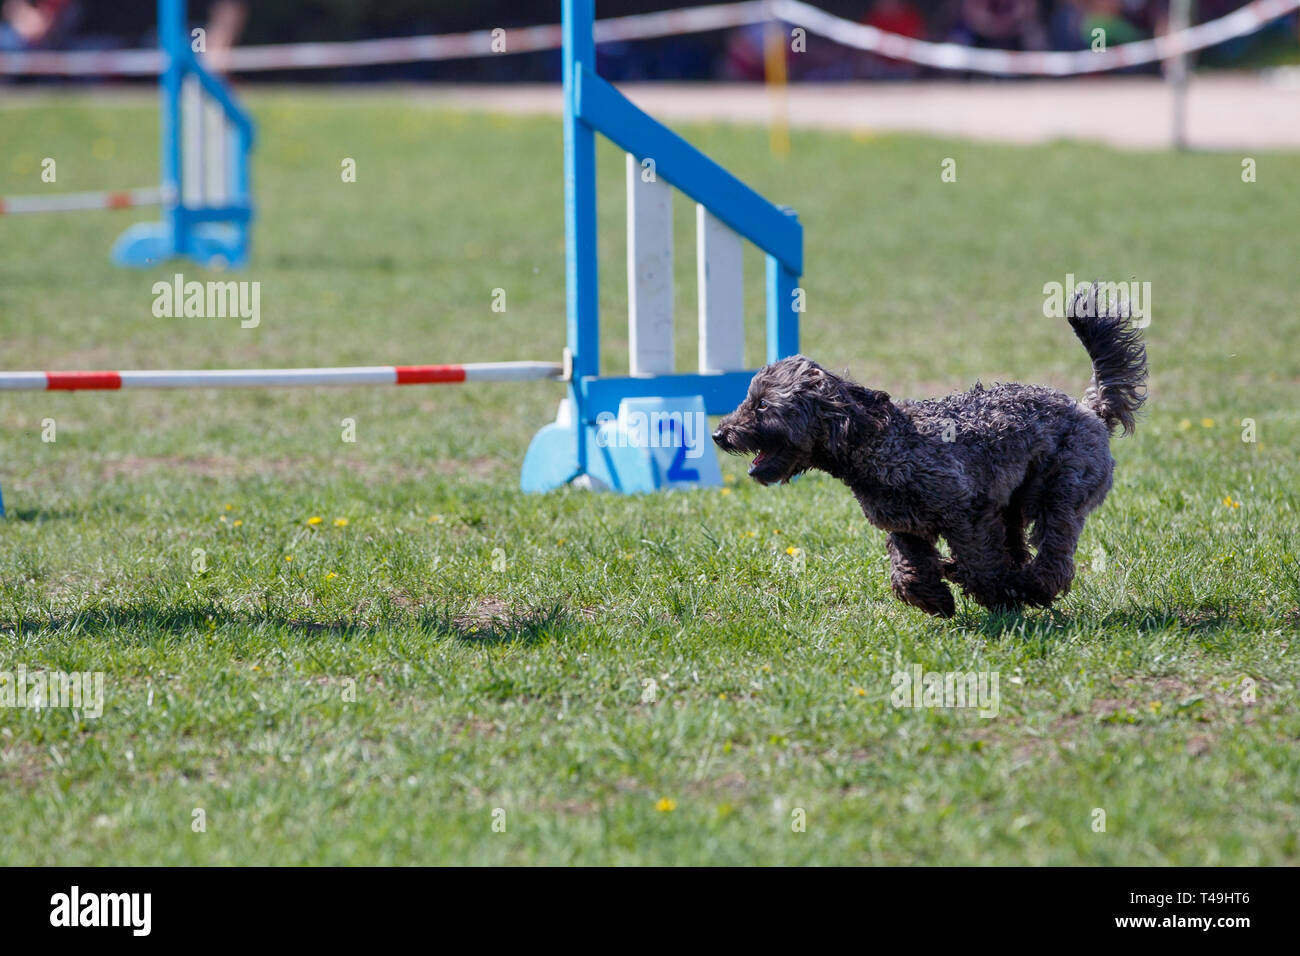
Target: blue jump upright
{"x":207,"y":207}
{"x":600,"y":437}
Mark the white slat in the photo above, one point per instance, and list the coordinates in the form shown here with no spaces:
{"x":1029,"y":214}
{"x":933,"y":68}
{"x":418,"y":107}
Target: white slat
{"x":192,"y":148}
{"x":720,"y":279}
{"x":216,"y":141}
{"x":649,"y":272}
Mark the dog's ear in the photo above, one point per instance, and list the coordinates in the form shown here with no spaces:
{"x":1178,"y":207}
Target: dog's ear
{"x":865,"y":416}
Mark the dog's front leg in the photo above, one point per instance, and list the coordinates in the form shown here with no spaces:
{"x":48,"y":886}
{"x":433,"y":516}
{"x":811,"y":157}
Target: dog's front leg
{"x":916,"y":576}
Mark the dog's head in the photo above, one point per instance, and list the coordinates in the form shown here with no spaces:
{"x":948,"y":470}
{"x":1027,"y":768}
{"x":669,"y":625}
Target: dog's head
{"x":798,"y":416}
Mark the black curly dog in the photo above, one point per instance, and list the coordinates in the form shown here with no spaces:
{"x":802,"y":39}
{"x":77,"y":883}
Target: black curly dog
{"x":977,"y":468}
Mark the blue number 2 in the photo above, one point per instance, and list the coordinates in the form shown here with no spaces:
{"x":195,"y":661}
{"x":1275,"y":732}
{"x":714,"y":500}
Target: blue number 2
{"x":677,"y":471}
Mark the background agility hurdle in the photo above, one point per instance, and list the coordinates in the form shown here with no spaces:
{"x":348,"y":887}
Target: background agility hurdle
{"x":206,"y":137}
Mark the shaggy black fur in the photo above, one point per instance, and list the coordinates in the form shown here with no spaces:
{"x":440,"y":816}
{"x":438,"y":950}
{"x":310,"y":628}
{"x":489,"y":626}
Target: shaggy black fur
{"x":977,"y":469}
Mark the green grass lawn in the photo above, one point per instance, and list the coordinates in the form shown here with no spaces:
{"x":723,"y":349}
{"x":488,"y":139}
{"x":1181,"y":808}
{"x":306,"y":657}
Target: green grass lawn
{"x":374,"y":689}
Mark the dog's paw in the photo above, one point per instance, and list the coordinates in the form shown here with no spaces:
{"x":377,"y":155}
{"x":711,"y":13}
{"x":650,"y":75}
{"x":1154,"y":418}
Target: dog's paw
{"x":932,"y":597}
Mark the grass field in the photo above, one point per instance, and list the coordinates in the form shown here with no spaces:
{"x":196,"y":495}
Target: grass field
{"x":372,"y":687}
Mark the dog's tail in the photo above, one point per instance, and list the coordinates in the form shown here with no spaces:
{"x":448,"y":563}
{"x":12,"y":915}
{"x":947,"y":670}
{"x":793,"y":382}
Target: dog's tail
{"x":1119,"y":359}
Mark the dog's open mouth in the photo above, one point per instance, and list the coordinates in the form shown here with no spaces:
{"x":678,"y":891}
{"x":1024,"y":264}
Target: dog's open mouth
{"x":769,"y":468}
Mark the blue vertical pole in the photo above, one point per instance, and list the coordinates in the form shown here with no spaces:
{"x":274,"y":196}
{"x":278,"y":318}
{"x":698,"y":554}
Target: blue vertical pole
{"x":172,"y":43}
{"x":782,"y":319}
{"x":583,"y":307}
{"x":239,"y":188}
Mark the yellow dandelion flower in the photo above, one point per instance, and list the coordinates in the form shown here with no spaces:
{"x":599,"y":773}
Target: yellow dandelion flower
{"x":435,"y":519}
{"x":314,"y":519}
{"x":230,"y":507}
{"x":1207,"y":422}
{"x":751,"y":534}
{"x":776,"y":530}
{"x":793,"y":551}
{"x":288,"y":557}
{"x":340,"y":522}
{"x":238,"y":522}
{"x":330,"y":576}
{"x":726,"y":491}
{"x":860,"y":691}
{"x":1185,"y":424}
{"x":722,"y":696}
{"x":666,"y":805}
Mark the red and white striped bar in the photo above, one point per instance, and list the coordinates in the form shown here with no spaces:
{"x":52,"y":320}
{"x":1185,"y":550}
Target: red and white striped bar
{"x":76,"y":202}
{"x":282,"y":377}
{"x":448,"y":46}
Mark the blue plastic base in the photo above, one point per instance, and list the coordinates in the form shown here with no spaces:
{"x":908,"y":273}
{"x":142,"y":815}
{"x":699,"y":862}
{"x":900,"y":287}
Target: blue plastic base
{"x":212,"y":245}
{"x":652,"y":444}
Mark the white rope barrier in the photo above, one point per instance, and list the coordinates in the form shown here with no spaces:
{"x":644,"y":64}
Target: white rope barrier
{"x":953,"y":56}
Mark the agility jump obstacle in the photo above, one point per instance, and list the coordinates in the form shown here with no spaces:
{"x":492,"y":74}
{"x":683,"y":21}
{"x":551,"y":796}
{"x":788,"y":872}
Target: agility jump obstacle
{"x":595,"y":440}
{"x":206,"y":136}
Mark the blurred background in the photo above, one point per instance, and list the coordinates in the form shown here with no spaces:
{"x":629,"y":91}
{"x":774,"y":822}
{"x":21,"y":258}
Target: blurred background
{"x":735,"y":54}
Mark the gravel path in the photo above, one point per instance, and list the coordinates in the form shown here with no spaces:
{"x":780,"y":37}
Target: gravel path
{"x":1233,"y":111}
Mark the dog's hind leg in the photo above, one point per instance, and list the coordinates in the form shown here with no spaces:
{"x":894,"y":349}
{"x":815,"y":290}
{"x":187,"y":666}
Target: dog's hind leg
{"x":915,"y":575}
{"x":1052,"y":571}
{"x":1066,"y":503}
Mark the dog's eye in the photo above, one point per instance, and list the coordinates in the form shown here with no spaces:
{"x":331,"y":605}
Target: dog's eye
{"x":762,"y":405}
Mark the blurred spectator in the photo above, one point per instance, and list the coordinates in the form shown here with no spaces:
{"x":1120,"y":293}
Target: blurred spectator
{"x":743,"y":58}
{"x":999,"y":25}
{"x":894,"y":16}
{"x":1065,"y":25}
{"x":1108,"y":16}
{"x":226,"y":20}
{"x":27,"y":25}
